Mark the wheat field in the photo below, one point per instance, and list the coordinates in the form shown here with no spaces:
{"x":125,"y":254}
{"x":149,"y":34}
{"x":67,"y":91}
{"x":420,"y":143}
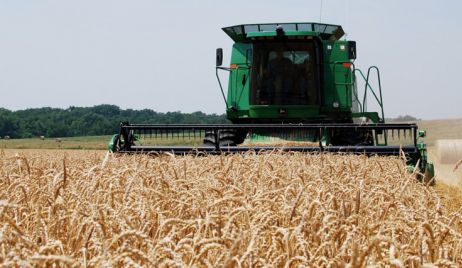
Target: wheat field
{"x":92,"y":209}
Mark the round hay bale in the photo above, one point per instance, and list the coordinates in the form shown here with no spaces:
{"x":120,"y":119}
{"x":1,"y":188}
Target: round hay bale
{"x":448,"y":151}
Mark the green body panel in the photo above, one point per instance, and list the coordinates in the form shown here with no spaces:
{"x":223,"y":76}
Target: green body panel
{"x":337,"y":78}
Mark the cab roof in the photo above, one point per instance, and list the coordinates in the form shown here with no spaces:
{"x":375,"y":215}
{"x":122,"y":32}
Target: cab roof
{"x":240,"y":33}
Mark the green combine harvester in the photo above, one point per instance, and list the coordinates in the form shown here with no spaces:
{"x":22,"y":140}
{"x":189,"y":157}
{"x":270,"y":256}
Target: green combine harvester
{"x":291,"y":87}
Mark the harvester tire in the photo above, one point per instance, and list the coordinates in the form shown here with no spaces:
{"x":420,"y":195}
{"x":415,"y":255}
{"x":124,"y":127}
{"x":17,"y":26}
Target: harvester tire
{"x":227,"y":137}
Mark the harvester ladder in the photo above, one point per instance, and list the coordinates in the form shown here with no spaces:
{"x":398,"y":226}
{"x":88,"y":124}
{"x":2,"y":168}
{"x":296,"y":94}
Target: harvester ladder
{"x":349,"y":83}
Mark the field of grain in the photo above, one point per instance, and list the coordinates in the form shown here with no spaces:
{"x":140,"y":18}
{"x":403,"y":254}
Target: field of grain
{"x":91,"y":209}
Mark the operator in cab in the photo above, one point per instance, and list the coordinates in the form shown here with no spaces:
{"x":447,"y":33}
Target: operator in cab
{"x":279,"y":82}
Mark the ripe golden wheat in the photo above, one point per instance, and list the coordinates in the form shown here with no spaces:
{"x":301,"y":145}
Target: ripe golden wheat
{"x":272,"y":210}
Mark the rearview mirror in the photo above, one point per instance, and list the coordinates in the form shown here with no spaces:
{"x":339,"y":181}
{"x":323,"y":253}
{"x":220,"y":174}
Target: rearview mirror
{"x":219,"y":57}
{"x":352,"y":50}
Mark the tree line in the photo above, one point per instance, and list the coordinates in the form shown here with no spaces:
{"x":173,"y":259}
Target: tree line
{"x":89,"y":121}
{"x":403,"y":118}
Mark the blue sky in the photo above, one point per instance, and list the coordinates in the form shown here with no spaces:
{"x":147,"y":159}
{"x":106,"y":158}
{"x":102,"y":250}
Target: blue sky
{"x":160,"y":54}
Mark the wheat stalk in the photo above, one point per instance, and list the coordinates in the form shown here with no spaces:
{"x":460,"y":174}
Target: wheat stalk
{"x":272,"y":209}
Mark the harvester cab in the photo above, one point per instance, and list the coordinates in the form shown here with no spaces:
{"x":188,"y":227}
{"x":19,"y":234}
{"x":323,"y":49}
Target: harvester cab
{"x":291,"y":87}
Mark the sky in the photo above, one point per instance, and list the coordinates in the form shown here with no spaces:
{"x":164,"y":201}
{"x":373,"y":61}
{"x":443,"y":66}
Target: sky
{"x":161,"y":54}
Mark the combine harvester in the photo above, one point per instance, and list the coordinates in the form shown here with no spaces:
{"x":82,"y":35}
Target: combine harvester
{"x":292,"y":87}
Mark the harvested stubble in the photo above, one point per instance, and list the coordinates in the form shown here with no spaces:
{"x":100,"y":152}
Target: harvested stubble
{"x":273,"y":210}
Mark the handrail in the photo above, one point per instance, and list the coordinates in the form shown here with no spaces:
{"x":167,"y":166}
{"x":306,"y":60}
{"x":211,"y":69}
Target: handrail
{"x":367,"y":86}
{"x":380,"y":87}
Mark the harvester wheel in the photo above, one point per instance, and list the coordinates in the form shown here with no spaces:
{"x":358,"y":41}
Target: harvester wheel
{"x":227,"y":137}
